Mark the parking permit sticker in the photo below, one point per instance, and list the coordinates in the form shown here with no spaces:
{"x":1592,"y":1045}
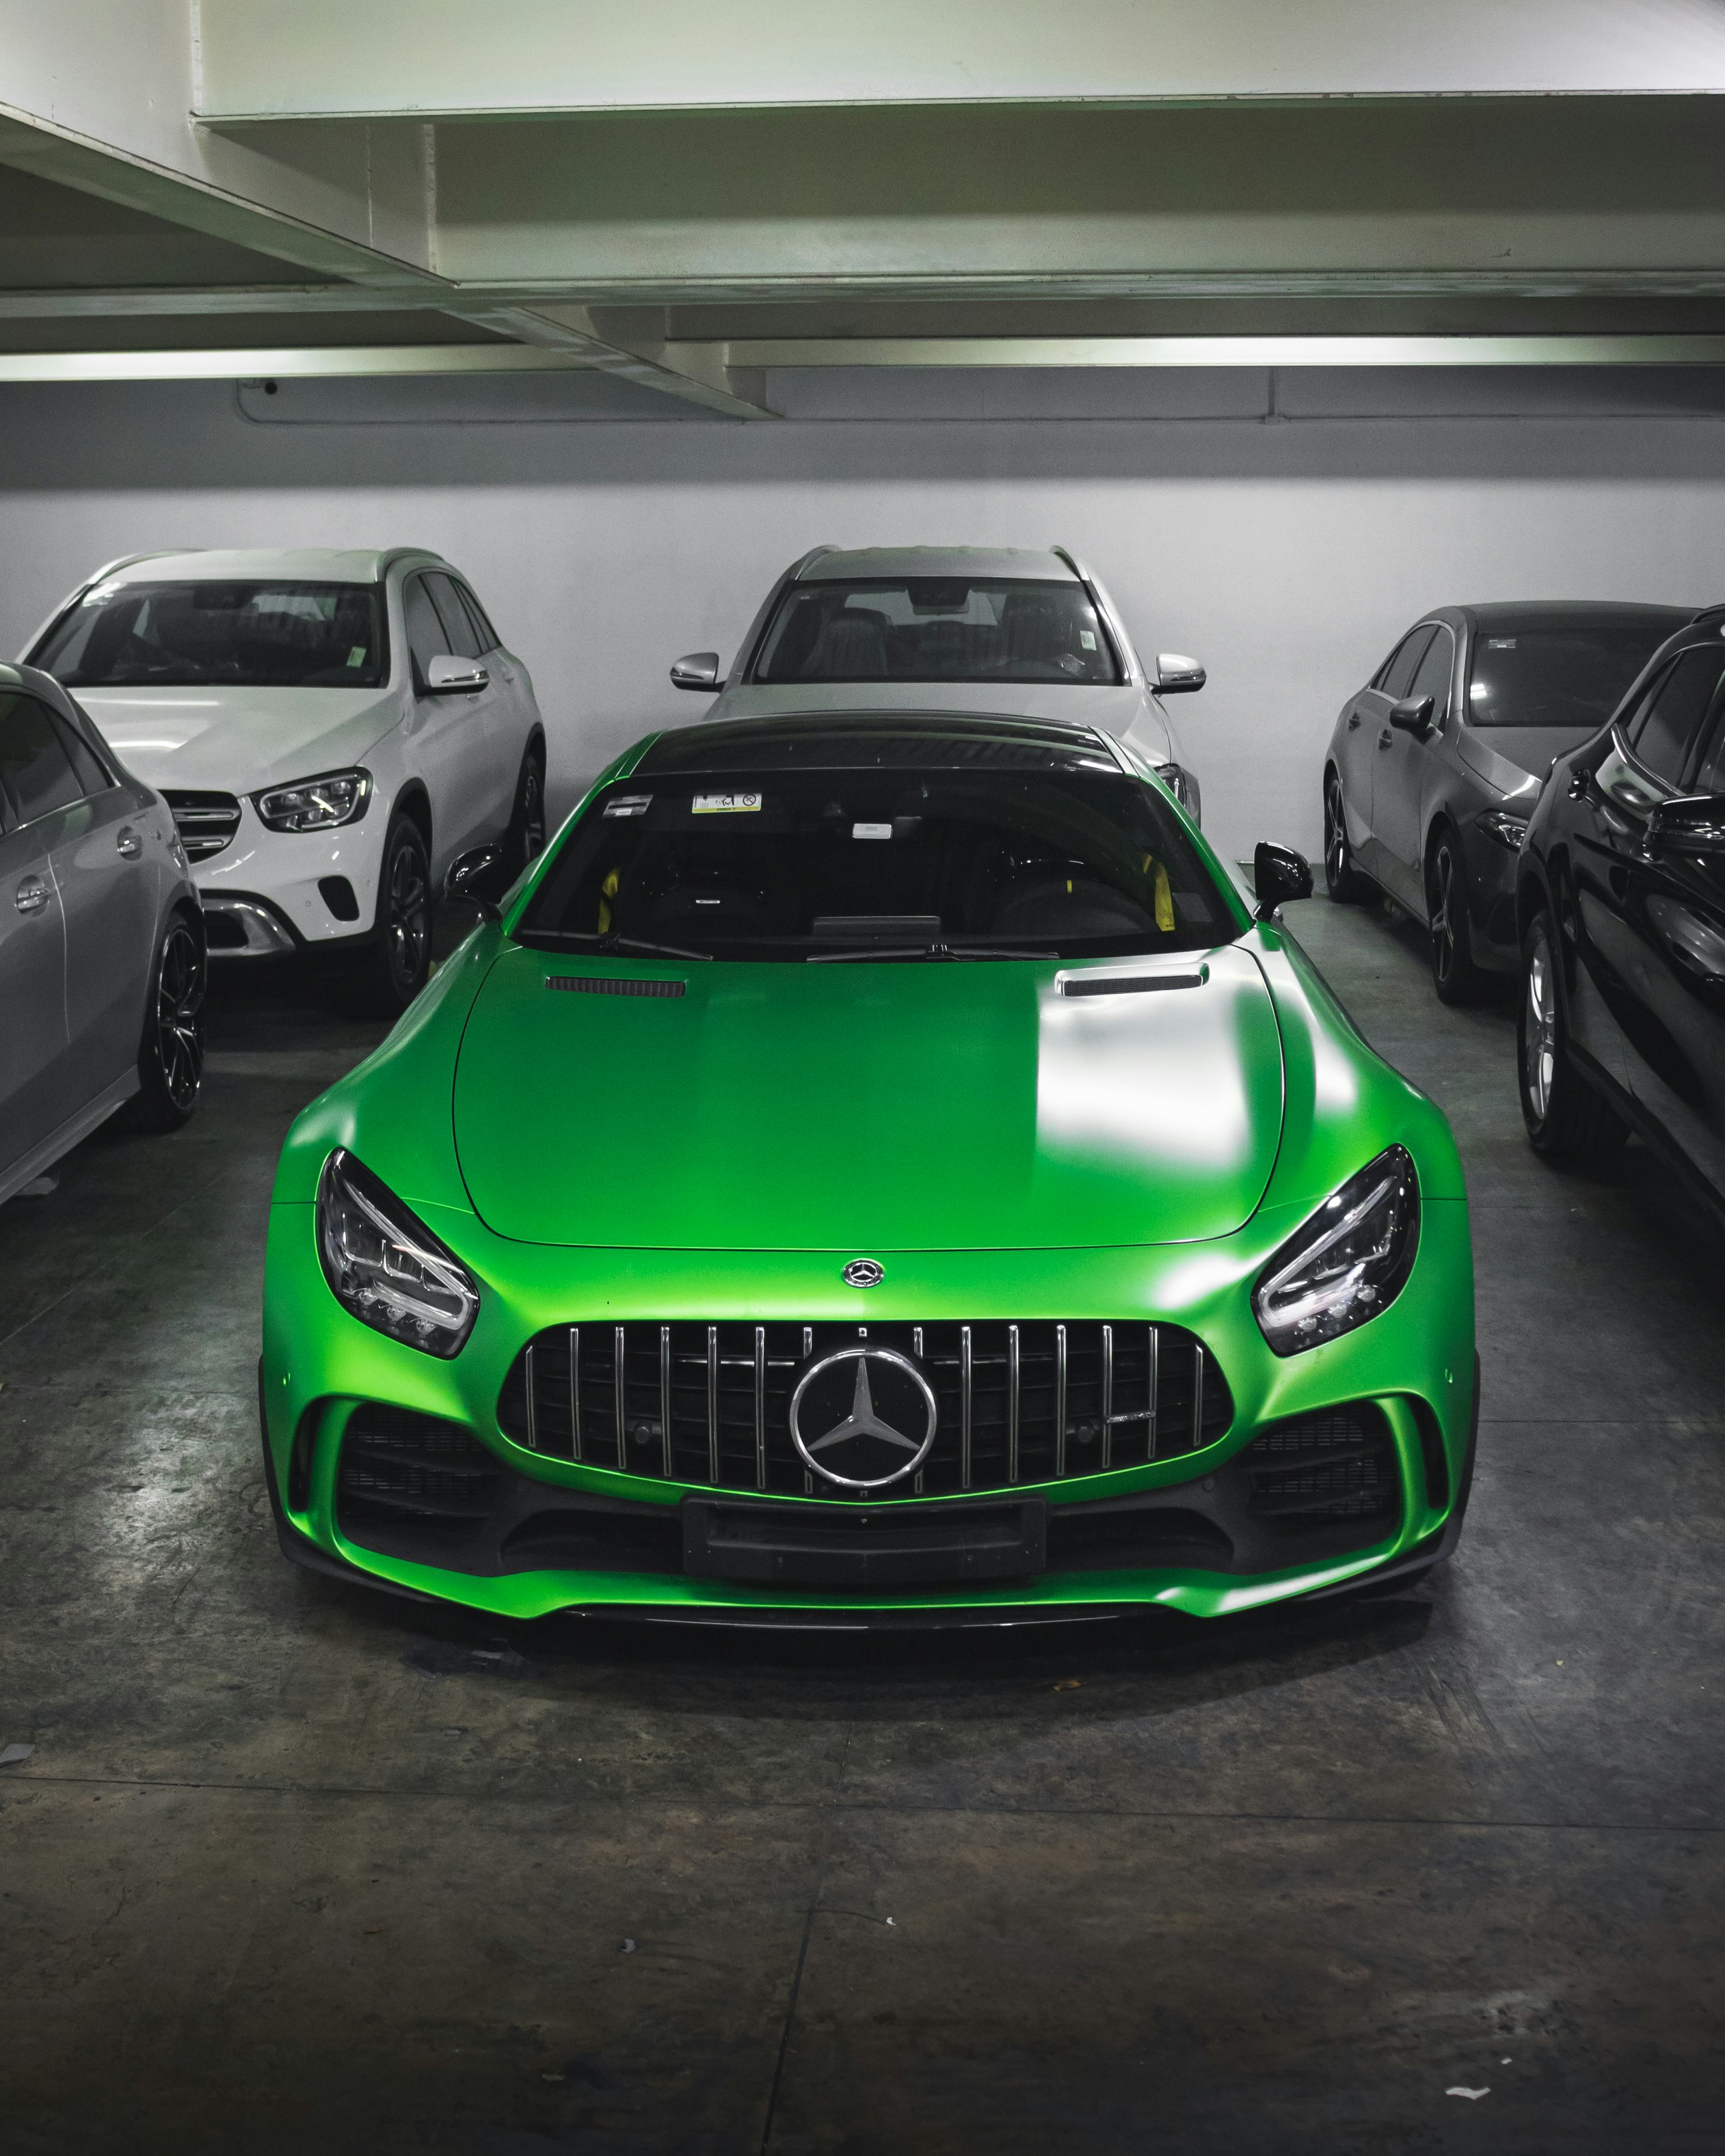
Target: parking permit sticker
{"x":726,"y":805}
{"x":1087,"y":638}
{"x":871,"y":830}
{"x":356,"y":655}
{"x":629,"y":804}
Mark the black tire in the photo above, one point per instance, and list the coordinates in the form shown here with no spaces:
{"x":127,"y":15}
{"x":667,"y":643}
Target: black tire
{"x":1566,"y":1118}
{"x":525,"y":841}
{"x":1454,"y":975}
{"x":1342,"y":879}
{"x":387,"y":975}
{"x":171,"y":1054}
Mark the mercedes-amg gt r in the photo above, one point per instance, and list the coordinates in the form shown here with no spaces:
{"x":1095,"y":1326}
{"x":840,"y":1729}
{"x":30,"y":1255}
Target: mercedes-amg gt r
{"x":872,"y":1166}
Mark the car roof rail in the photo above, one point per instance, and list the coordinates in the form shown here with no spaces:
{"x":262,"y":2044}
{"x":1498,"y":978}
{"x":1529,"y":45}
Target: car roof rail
{"x":806,"y":561}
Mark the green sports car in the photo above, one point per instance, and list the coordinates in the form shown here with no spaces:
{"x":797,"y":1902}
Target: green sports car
{"x":871,"y":1168}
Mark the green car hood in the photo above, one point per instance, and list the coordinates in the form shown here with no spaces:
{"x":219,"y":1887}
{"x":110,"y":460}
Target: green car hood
{"x":868,"y":1107}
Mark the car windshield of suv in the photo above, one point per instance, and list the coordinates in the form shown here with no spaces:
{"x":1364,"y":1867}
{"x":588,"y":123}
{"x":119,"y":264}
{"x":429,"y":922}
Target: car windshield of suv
{"x":938,"y":629}
{"x":243,"y":635}
{"x":1560,"y":669}
{"x":834,"y":864}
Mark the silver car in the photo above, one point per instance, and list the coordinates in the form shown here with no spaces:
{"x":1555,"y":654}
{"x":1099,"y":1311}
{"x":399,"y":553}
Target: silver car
{"x":101,"y":940}
{"x":1003,"y":629}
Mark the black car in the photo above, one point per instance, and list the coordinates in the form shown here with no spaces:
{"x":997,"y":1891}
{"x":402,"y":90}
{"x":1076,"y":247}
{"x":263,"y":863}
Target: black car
{"x":1434,"y":767}
{"x":1621,"y":904}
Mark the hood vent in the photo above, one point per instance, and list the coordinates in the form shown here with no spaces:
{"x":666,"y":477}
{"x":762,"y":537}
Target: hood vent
{"x":607,"y":984}
{"x":1129,"y":984}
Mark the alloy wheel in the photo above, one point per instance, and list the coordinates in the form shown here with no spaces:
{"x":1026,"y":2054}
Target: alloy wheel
{"x":1443,"y":913}
{"x":179,"y":984}
{"x":1335,"y":833}
{"x":408,"y":922}
{"x":532,"y":811}
{"x":1539,"y":1035}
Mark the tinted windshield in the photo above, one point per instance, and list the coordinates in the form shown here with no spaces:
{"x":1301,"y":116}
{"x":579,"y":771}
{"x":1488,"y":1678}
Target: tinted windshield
{"x":802,"y":864}
{"x":1567,"y":670}
{"x":245,"y":635}
{"x":937,"y":629}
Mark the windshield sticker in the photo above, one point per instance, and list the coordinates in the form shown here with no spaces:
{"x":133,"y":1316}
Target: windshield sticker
{"x":356,"y":656}
{"x":1500,"y":644}
{"x":629,"y":804}
{"x":871,"y":830}
{"x":726,"y":805}
{"x":1087,"y":638}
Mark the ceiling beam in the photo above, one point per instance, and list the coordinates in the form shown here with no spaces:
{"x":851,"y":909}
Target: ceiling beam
{"x":433,"y":59}
{"x":257,"y":363}
{"x":1128,"y":351}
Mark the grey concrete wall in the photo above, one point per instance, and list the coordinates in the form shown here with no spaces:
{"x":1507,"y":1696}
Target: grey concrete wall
{"x":1287,"y":555}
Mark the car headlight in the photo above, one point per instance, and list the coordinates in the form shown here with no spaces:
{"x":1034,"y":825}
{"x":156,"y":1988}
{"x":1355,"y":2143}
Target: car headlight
{"x":1181,"y":783}
{"x":1507,"y":828}
{"x":386,"y":1268}
{"x":1349,"y":1260}
{"x":316,"y":804}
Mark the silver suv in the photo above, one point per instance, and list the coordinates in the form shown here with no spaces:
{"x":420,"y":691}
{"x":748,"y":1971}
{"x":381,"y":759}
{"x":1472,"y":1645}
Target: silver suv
{"x":1005,"y":630}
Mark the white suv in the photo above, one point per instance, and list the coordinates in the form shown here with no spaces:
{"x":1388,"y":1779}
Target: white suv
{"x":331,"y":729}
{"x":1002,"y":629}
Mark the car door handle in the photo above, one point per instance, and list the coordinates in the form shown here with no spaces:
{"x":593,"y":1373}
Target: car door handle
{"x":31,"y":895}
{"x":128,"y":842}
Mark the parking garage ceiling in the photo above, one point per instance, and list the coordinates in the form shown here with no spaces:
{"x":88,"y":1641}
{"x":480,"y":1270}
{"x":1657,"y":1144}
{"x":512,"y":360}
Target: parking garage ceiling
{"x":695,"y":200}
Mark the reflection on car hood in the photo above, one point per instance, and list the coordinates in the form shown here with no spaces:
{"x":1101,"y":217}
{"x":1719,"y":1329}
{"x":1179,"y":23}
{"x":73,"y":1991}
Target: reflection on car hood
{"x":1121,"y":711}
{"x":868,"y":1107}
{"x":1508,"y":757}
{"x":235,"y":739}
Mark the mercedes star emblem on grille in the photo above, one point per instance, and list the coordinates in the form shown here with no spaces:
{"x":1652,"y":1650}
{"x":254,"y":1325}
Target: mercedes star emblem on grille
{"x":863,"y":1272}
{"x":859,"y":1445}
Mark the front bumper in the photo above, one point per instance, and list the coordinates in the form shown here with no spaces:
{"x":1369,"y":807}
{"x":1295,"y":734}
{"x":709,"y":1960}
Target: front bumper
{"x":276,"y":894}
{"x":1179,"y":1533}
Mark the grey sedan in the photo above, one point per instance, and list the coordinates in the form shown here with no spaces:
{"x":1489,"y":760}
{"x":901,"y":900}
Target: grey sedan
{"x":1434,"y":765}
{"x":101,"y":940}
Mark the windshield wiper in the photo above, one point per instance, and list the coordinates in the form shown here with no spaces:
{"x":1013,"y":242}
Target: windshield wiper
{"x":610,"y":941}
{"x":953,"y":950}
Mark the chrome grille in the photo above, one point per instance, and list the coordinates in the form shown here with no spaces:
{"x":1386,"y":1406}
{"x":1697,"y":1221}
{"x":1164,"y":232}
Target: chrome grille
{"x":1035,"y":1400}
{"x":205,"y":822}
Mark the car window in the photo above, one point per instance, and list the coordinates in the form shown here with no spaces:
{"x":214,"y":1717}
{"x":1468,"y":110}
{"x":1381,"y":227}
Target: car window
{"x":1399,"y":672}
{"x":1431,"y":676}
{"x":1665,"y":728}
{"x":784,"y":863}
{"x":938,"y":629}
{"x":462,"y":638}
{"x":489,"y":640}
{"x":1710,"y":765}
{"x":1560,"y":667}
{"x":246,"y":634}
{"x":427,"y":637}
{"x":36,"y":766}
{"x":92,"y":778}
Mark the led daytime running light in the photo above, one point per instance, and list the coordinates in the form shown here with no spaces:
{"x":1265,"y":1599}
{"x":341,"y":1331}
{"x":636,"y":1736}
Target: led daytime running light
{"x":316,"y":804}
{"x":1347,"y":1263}
{"x":386,"y":1268}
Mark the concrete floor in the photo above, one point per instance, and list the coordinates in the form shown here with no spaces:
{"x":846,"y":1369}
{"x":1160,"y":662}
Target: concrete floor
{"x":294,"y":1867}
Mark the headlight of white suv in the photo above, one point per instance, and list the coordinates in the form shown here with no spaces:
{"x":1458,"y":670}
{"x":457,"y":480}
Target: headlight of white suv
{"x":1348,"y":1262}
{"x":316,"y":804}
{"x":386,"y":1268}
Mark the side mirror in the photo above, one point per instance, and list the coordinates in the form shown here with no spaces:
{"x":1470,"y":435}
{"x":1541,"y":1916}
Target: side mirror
{"x":1278,"y":874}
{"x":447,"y":675}
{"x":697,"y":669}
{"x":1412,"y":715}
{"x":1693,"y":823}
{"x":1176,"y":675}
{"x":478,"y":879}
